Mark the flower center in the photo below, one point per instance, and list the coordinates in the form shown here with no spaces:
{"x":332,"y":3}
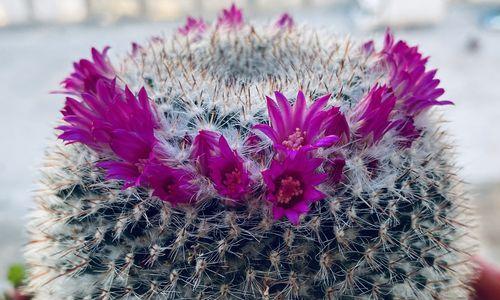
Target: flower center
{"x":168,"y":187}
{"x":295,"y":140}
{"x":289,"y":188}
{"x":232,"y":180}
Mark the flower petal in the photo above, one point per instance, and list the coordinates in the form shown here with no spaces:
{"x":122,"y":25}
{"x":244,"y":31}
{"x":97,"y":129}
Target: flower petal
{"x":326,"y":141}
{"x":315,"y":107}
{"x":277,"y":121}
{"x":268,"y":131}
{"x":299,"y":110}
{"x":293,"y":216}
{"x":284,"y":106}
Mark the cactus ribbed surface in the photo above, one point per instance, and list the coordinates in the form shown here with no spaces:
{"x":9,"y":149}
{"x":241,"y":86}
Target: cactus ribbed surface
{"x":386,"y":219}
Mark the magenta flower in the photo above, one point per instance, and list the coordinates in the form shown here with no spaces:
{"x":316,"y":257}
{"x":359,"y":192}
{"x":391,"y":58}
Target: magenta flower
{"x":252,"y":140}
{"x":334,"y":167}
{"x":193,"y":26}
{"x":174,"y":185}
{"x":256,"y":149}
{"x":86,"y":120}
{"x":297,"y":127}
{"x":92,"y":120}
{"x":336,"y":124}
{"x":285,"y":21}
{"x":373,"y":114}
{"x":87,"y":73}
{"x":368,"y":48}
{"x":416,"y":88}
{"x":134,"y":153}
{"x":204,"y":146}
{"x":221,"y":164}
{"x":136,"y":49}
{"x":292,"y":185}
{"x":228,"y":173}
{"x":231,"y":18}
{"x":114,"y":122}
{"x":132,"y":138}
{"x":407,"y":130}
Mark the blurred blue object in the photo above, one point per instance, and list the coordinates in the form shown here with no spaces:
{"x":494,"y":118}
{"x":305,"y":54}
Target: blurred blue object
{"x":491,"y":20}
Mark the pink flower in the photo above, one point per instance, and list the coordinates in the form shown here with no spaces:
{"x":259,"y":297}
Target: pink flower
{"x":92,"y":120}
{"x":87,"y":73}
{"x":292,"y":185}
{"x":221,"y":164}
{"x":407,"y":130}
{"x":204,"y":146}
{"x":416,"y":88}
{"x":256,"y":149}
{"x":86,"y":120}
{"x":133,"y":152}
{"x":297,"y":127}
{"x":373,"y":114}
{"x":170,"y":184}
{"x":136,"y":49}
{"x":195,"y":27}
{"x":252,"y":140}
{"x":114,"y":122}
{"x":231,"y":18}
{"x":368,"y":48}
{"x":228,"y":173}
{"x":335,"y":124}
{"x":285,"y":21}
{"x":334,"y":167}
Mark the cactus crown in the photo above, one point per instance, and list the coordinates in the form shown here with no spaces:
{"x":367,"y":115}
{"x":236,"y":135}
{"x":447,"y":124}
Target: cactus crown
{"x":234,"y":161}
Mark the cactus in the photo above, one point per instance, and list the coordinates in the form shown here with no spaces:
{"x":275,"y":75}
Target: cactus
{"x":183,"y":176}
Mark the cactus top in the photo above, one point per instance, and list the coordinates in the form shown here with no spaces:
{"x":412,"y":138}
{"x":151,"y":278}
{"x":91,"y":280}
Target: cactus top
{"x":285,"y":151}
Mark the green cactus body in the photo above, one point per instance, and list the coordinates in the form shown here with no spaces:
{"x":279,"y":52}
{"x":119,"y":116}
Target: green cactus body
{"x":395,"y":227}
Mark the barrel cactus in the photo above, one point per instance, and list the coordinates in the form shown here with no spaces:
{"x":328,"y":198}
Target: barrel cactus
{"x":237,"y":161}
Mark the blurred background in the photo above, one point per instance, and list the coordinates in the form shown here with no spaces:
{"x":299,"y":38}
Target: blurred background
{"x":40,"y":38}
